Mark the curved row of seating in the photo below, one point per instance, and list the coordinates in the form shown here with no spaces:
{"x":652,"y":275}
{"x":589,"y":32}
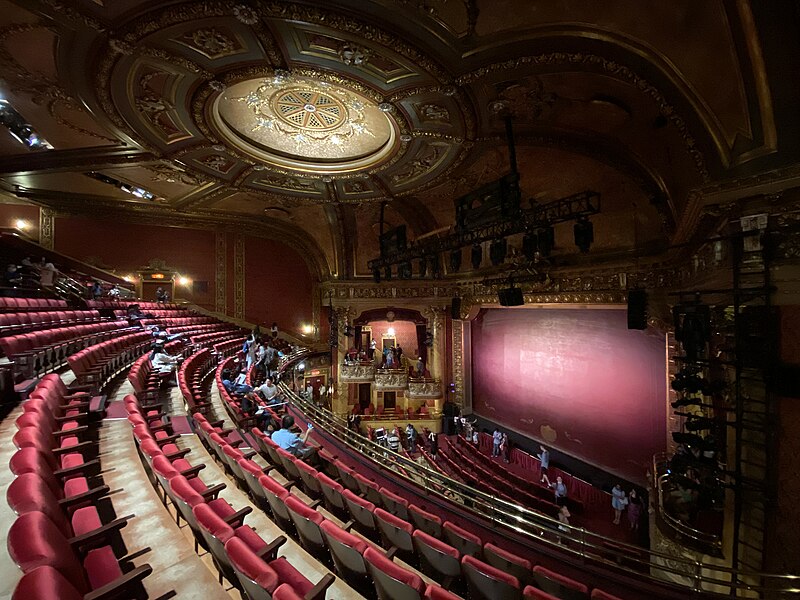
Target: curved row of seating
{"x":213,"y":337}
{"x":66,"y":534}
{"x":97,"y":364}
{"x":229,"y":347}
{"x":124,"y":304}
{"x":48,"y":349}
{"x":9,"y":304}
{"x":147,"y":382}
{"x":178,"y":321}
{"x":191,"y":375}
{"x":23,"y":322}
{"x":239,"y":553}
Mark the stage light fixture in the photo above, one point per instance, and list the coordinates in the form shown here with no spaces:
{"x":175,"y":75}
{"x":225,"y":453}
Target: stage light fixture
{"x":584,"y":234}
{"x":455,"y":260}
{"x":497,"y":251}
{"x":376,"y":275}
{"x":477,"y":256}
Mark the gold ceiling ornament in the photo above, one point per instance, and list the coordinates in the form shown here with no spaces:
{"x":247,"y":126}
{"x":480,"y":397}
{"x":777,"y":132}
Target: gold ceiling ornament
{"x":304,"y":124}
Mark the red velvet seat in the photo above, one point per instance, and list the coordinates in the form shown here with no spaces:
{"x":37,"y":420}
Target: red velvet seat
{"x":395,"y":504}
{"x":347,"y":552}
{"x":488,"y":583}
{"x":368,"y":489}
{"x":347,"y":476}
{"x":308,"y":475}
{"x":438,"y":560}
{"x":509,"y":562}
{"x":434,"y":592}
{"x":276,"y":495}
{"x":427,"y":522}
{"x":362,"y":512}
{"x":534,"y":593}
{"x":396,"y":533}
{"x":462,"y":540}
{"x":307,"y":522}
{"x":332,"y":495}
{"x":34,"y":541}
{"x":559,"y":585}
{"x":260,"y":578}
{"x":601,"y":595}
{"x":392,"y":582}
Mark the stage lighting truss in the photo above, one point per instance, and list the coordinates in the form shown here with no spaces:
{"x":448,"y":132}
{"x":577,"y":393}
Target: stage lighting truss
{"x":538,"y":220}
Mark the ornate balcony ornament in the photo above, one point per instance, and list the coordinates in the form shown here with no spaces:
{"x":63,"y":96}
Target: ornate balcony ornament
{"x":425,"y":389}
{"x":391,"y":380}
{"x":356,"y":373}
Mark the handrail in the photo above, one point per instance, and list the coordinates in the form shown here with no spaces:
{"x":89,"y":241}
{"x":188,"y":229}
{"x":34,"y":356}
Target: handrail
{"x":532,"y":525}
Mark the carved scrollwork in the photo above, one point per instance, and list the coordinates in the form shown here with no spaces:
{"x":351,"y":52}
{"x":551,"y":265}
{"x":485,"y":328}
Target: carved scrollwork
{"x":394,"y":381}
{"x":356,"y":373}
{"x":425,"y":389}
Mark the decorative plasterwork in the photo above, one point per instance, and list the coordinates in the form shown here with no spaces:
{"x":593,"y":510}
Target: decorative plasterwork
{"x":238,"y":276}
{"x":357,"y":373}
{"x":458,"y":363}
{"x":221,"y":270}
{"x":391,"y":381}
{"x":424,"y":389}
{"x":47,"y":227}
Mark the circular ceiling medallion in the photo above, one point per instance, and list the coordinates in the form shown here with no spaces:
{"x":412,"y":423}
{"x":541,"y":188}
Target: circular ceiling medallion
{"x":308,"y":109}
{"x":305,"y":125}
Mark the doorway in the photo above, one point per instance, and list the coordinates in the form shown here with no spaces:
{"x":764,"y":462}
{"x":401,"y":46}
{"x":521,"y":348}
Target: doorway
{"x":389,"y":401}
{"x":364,"y":395}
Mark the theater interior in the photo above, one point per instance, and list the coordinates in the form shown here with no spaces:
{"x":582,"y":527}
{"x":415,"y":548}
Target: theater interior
{"x":526,"y":274}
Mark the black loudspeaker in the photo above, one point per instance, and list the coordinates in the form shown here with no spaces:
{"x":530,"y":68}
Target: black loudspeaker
{"x":510,"y":296}
{"x":637,"y":309}
{"x":455,"y":308}
{"x":786,"y":380}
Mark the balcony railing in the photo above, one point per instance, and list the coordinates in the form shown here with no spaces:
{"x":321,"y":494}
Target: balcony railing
{"x":424,"y":389}
{"x":391,"y":379}
{"x":576,"y":545}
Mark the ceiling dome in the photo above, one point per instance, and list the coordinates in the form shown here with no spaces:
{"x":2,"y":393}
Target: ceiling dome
{"x":299,"y":123}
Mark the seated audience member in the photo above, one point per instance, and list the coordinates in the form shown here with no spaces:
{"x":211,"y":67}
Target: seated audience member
{"x":12,"y":276}
{"x":97,"y":291}
{"x":268,"y":390}
{"x":113,"y":292}
{"x":291,"y":442}
{"x":161,"y":295}
{"x":162,"y":362}
{"x":238,"y":384}
{"x":559,"y":488}
{"x":47,"y":275}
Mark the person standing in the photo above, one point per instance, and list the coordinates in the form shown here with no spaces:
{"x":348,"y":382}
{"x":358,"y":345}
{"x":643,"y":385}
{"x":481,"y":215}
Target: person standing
{"x":505,"y":448}
{"x":544,"y":457}
{"x":560,"y":489}
{"x":411,"y":435}
{"x":47,"y":275}
{"x":634,"y":510}
{"x":497,"y":438}
{"x":618,"y":502}
{"x":433,"y":438}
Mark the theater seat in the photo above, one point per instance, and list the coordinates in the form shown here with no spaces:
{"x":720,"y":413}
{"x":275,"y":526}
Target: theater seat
{"x":601,"y":595}
{"x":427,"y":522}
{"x":362,"y":512}
{"x":307,"y":521}
{"x":438,"y":560}
{"x":332,"y":495}
{"x":559,"y":585}
{"x":434,"y":592}
{"x":488,"y":583}
{"x":276,"y":495}
{"x":392,"y":582}
{"x":534,"y":593}
{"x":462,"y":540}
{"x":509,"y":562}
{"x":396,"y":533}
{"x":347,"y":552}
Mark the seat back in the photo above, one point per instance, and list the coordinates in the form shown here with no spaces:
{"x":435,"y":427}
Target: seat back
{"x":438,"y":560}
{"x":396,"y":532}
{"x":427,"y":522}
{"x":392,"y":582}
{"x":255,"y":576}
{"x":462,"y":540}
{"x":362,"y":511}
{"x":347,"y":552}
{"x":509,"y":562}
{"x":487,"y":583}
{"x":307,"y":522}
{"x":45,"y":582}
{"x":558,"y":585}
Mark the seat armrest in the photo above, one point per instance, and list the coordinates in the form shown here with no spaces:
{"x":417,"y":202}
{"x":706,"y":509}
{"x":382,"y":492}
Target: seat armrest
{"x":213,"y":491}
{"x":121,"y":587}
{"x":91,"y":495}
{"x":192,"y":472}
{"x":89,"y":465}
{"x":99,"y":535}
{"x":270,"y":551}
{"x":318,"y":591}
{"x":179,"y":454}
{"x":238,"y":516}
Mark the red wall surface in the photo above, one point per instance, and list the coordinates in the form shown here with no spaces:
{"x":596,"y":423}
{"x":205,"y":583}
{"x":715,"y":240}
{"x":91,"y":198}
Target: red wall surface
{"x":575,"y":378}
{"x":10,"y":213}
{"x":278,"y":285}
{"x":405,"y":335}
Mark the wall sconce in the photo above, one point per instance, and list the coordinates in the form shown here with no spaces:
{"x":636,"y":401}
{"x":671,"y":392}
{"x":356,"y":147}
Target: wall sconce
{"x":184,"y":281}
{"x":307,"y":329}
{"x":21,"y":224}
{"x":390,"y":331}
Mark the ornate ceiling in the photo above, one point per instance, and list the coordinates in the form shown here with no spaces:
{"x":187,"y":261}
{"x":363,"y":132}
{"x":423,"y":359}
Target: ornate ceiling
{"x":301,"y":118}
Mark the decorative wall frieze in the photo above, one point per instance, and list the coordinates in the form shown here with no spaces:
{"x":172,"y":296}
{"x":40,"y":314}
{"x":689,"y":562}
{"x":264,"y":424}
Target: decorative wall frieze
{"x":357,"y":373}
{"x":458,"y":363}
{"x":425,"y":389}
{"x":220,"y":271}
{"x":47,"y":227}
{"x":391,"y":381}
{"x":238,"y":276}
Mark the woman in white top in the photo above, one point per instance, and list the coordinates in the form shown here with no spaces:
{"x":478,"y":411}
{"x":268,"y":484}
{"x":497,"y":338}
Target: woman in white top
{"x":162,"y":362}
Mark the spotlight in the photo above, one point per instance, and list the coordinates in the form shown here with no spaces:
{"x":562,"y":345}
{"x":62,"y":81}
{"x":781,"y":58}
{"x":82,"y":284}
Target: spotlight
{"x":184,"y":281}
{"x":477,"y":256}
{"x":423,"y":266}
{"x":455,"y":260}
{"x":21,"y":224}
{"x":387,"y":273}
{"x":584,"y":234}
{"x":376,"y":275}
{"x":497,"y":251}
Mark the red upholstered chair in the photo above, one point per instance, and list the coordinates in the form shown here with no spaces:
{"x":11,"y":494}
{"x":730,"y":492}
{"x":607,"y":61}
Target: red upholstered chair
{"x":427,"y":522}
{"x":73,"y":516}
{"x":252,"y":472}
{"x":534,"y":593}
{"x":601,"y":595}
{"x":509,"y":562}
{"x":396,"y":533}
{"x":332,"y":496}
{"x":487,"y":583}
{"x":438,"y":560}
{"x":347,"y":476}
{"x":394,"y":504}
{"x":462,"y":540}
{"x":307,"y":521}
{"x":87,"y":565}
{"x":260,"y":579}
{"x":290,"y":470}
{"x":368,"y":489}
{"x":558,"y":585}
{"x":347,"y":552}
{"x":362,"y":512}
{"x":308,"y":476}
{"x":276,"y":495}
{"x":392,"y":582}
{"x":434,"y":592}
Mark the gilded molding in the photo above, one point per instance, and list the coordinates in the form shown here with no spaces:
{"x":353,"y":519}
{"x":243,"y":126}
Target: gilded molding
{"x":238,"y":276}
{"x":47,"y":227}
{"x":458,"y":363}
{"x":221,"y":270}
